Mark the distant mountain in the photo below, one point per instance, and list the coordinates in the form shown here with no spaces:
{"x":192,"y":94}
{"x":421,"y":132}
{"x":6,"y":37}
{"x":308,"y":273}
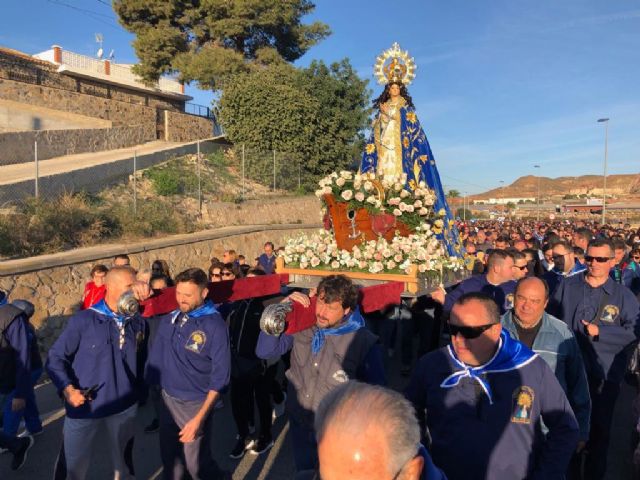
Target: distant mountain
{"x":527,"y":186}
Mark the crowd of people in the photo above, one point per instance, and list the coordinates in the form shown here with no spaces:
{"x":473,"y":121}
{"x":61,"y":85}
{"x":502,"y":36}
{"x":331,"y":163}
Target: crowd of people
{"x":519,"y":365}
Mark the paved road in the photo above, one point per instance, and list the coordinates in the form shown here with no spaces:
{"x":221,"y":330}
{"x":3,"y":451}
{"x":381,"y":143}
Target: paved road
{"x":21,"y":172}
{"x":277,"y":465}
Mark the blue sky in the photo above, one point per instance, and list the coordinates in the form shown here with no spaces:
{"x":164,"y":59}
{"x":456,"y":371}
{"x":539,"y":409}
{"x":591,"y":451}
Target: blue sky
{"x":501,"y":85}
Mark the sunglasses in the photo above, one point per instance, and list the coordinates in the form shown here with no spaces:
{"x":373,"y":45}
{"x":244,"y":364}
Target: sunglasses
{"x":216,"y":275}
{"x":589,"y":259}
{"x":227,"y":274}
{"x":636,"y":257}
{"x":521,"y":268}
{"x":469,"y":332}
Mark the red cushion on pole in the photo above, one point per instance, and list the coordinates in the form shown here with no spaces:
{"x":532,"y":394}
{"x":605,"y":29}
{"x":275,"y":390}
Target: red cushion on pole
{"x":379,"y":297}
{"x":219,"y":292}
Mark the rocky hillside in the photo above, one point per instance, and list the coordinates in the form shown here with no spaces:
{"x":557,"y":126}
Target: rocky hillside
{"x":527,"y":186}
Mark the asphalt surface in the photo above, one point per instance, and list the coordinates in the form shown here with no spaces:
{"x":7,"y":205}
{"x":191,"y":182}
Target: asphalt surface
{"x":277,"y":464}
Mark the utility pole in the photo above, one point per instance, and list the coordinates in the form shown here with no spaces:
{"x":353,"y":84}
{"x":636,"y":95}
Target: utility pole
{"x":604,"y":179}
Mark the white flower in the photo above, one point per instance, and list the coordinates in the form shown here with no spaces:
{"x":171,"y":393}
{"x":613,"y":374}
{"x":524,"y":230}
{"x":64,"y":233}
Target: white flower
{"x":368,"y":186}
{"x":357,"y":184}
{"x":398,"y":257}
{"x":397,"y":187}
{"x":327,"y":190}
{"x":346,"y":174}
{"x":362,"y":264}
{"x":386,"y":253}
{"x":423,"y":211}
{"x":359,"y":196}
{"x":402,"y":207}
{"x":404,"y":194}
{"x":320,"y":192}
{"x":347,"y":194}
{"x":371,"y":199}
{"x":394,"y":201}
{"x":428,"y":201}
{"x":335,"y":264}
{"x":422,"y":268}
{"x":397,"y":212}
{"x":391,"y":265}
{"x":315,"y":261}
{"x":334,"y":175}
{"x":408,"y":208}
{"x":417,"y":204}
{"x":340,"y":182}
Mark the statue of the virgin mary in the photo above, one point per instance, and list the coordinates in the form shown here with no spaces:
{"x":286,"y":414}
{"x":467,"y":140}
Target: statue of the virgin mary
{"x":398,"y":145}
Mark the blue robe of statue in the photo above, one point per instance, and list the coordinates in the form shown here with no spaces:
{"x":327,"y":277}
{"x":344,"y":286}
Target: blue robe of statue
{"x":418,"y":164}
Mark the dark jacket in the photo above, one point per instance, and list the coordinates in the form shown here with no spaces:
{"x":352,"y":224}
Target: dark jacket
{"x":88,"y":353}
{"x":473,"y":439}
{"x":15,"y":352}
{"x":575,"y":300}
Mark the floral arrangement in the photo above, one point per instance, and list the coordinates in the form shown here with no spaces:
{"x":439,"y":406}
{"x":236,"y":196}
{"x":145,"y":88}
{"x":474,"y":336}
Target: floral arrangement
{"x":422,"y":248}
{"x":384,"y":195}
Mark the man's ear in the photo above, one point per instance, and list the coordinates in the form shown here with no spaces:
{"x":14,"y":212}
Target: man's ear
{"x":205,"y":292}
{"x":413,"y":469}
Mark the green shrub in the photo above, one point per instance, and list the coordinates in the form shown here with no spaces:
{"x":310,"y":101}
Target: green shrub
{"x":154,"y":217}
{"x":166,"y":181}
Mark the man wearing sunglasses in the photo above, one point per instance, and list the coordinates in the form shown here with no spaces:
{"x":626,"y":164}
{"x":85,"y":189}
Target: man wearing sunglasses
{"x":564,"y":265}
{"x":485,"y":396}
{"x":604,"y":317}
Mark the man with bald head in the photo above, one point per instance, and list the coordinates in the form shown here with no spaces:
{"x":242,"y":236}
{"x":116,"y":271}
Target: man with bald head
{"x":554,"y":342}
{"x":95,"y":365}
{"x":379,"y":442}
{"x":485,"y":397}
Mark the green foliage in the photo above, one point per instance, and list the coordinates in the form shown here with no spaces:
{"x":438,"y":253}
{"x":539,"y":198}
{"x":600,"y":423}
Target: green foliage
{"x":318,"y":113}
{"x":208,"y":41}
{"x":453,"y":193}
{"x":464,"y":213}
{"x":153,"y":217}
{"x":166,"y":181}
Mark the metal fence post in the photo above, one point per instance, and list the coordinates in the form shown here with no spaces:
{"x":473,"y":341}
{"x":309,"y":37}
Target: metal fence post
{"x":274,"y":170}
{"x":199,"y":181}
{"x":36,"y":186}
{"x":135,"y":183}
{"x":243,"y":171}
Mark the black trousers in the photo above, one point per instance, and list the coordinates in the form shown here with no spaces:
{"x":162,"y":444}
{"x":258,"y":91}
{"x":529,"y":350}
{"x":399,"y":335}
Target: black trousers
{"x":603,"y":400}
{"x":244,"y":388}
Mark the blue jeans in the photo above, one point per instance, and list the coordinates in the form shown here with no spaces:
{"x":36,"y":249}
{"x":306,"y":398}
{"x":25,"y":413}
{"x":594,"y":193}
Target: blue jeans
{"x":11,"y":419}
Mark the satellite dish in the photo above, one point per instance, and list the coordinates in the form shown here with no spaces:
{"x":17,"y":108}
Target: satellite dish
{"x":100,"y":52}
{"x":111,"y":54}
{"x":98,"y":37}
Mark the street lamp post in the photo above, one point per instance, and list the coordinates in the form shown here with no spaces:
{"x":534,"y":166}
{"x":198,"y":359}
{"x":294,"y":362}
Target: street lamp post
{"x":604,"y":180}
{"x":538,"y":209}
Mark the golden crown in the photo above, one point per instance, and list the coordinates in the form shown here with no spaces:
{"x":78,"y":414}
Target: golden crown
{"x":395,"y":66}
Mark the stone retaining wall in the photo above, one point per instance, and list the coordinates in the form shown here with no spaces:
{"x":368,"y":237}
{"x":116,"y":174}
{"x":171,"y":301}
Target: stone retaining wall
{"x":18,"y":147}
{"x":182,"y":127}
{"x":54,"y":283}
{"x":119,"y":112}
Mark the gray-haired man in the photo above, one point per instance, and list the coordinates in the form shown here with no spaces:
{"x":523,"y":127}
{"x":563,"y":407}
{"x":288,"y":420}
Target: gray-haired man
{"x":381,"y":441}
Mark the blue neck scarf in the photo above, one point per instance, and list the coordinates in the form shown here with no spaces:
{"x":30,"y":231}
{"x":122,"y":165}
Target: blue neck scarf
{"x":102,"y":308}
{"x":207,"y":308}
{"x":510,"y":355}
{"x":354,"y":323}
